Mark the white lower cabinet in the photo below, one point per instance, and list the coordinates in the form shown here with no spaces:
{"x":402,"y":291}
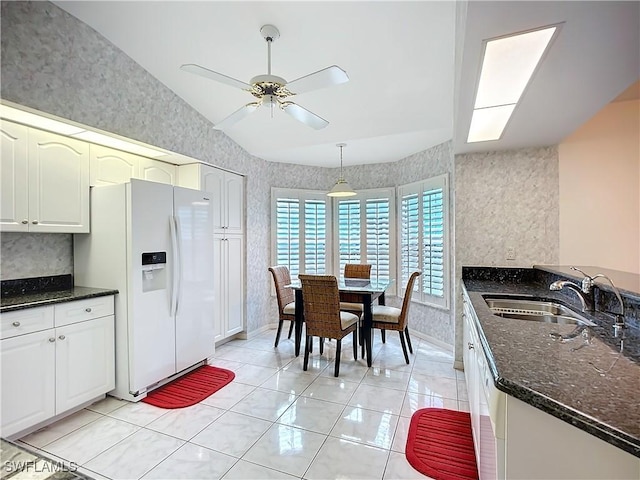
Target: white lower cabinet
{"x":514,"y":440}
{"x":229,"y":286}
{"x":50,"y":371}
{"x":28,"y":380}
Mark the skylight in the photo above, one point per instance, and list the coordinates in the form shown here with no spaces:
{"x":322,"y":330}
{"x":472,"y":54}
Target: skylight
{"x":507,"y":68}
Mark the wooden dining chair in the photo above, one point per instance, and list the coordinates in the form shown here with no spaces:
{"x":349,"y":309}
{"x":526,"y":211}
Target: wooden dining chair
{"x":323,"y":317}
{"x":286,"y":299}
{"x":350,"y":302}
{"x":392,"y":318}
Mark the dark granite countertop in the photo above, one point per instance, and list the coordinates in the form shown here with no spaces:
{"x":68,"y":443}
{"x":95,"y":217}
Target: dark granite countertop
{"x":39,"y":299}
{"x":560,"y":376}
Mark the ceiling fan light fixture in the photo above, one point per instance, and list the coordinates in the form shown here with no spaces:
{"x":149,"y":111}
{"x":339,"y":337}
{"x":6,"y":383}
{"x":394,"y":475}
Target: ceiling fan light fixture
{"x":341,"y":188}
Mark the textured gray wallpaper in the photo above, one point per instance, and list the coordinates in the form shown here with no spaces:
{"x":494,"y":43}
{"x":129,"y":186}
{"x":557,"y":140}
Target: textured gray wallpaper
{"x":54,"y":63}
{"x":506,"y":199}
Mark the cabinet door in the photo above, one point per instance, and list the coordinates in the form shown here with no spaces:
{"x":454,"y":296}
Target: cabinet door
{"x":234,"y":188}
{"x":157,"y":171}
{"x":85,"y":362}
{"x":213,"y":180}
{"x":109,"y":166}
{"x":58,"y":183}
{"x":28,"y":380}
{"x":14,"y":197}
{"x":235,"y":284}
{"x":220,"y":286}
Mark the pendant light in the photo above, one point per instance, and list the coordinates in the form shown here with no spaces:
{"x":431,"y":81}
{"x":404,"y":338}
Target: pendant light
{"x":341,"y":188}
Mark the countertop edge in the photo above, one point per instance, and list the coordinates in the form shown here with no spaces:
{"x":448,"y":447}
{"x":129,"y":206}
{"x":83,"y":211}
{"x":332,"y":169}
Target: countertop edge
{"x":89,"y":293}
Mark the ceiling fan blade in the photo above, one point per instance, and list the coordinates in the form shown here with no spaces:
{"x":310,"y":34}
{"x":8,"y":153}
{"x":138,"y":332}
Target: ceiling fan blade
{"x":326,"y":77}
{"x":236,"y":116}
{"x":303,"y":115}
{"x":218,"y":77}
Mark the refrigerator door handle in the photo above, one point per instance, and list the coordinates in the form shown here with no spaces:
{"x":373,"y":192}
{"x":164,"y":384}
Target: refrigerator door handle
{"x":175,"y":269}
{"x":180,"y":263}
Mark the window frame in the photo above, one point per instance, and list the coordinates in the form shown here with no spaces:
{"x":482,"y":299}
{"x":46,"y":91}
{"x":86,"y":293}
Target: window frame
{"x":364,"y":195}
{"x":302,"y":196}
{"x":419,"y":188}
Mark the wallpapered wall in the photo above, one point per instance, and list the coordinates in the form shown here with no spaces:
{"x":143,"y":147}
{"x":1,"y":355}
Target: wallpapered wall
{"x":505,"y":199}
{"x":54,"y":63}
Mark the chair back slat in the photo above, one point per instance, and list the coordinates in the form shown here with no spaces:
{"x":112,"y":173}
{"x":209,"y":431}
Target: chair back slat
{"x":321,"y":300}
{"x":281,"y":277}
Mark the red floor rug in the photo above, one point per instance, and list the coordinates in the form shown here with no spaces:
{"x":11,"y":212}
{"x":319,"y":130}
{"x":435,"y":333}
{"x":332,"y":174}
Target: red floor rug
{"x":440,"y":445}
{"x":190,"y":389}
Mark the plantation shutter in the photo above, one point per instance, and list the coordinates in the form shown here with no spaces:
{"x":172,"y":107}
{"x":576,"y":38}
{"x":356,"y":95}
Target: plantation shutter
{"x":288,"y":234}
{"x":315,"y":237}
{"x":409,"y":237}
{"x":433,"y":243}
{"x":348,"y":232}
{"x":378,"y":237}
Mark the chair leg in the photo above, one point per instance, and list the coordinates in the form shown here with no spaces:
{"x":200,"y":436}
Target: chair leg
{"x":383,"y":333}
{"x":337,"y":369}
{"x":290,"y":328}
{"x":355,"y":344}
{"x":311,"y":345}
{"x":406,"y":332}
{"x":404,"y":346}
{"x":278,"y":333}
{"x":321,"y":345}
{"x":307,"y":346}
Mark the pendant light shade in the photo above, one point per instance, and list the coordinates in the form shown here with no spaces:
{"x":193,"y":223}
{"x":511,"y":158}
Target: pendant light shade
{"x":341,"y":188}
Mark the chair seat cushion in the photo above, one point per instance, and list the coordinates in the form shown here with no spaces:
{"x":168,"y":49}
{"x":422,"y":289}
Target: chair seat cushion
{"x":289,"y":308}
{"x":351,"y":307}
{"x":347,"y":319}
{"x":385,"y":314}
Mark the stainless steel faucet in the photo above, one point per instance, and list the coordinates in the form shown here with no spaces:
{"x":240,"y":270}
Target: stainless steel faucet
{"x":587,"y":285}
{"x":586,"y":301}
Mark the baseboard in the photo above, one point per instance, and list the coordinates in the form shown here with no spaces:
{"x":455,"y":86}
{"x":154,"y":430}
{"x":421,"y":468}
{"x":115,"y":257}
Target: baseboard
{"x":430,"y":339}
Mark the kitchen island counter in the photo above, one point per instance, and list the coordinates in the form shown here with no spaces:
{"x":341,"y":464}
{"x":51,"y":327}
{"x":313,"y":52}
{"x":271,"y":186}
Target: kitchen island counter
{"x":589,"y":378}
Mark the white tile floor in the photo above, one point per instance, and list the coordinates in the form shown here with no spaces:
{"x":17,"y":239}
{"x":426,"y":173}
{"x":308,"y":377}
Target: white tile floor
{"x":274,"y":421}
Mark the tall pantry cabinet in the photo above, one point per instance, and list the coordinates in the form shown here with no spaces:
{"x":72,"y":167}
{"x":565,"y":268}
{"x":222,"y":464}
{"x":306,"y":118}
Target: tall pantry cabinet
{"x":227,"y":189}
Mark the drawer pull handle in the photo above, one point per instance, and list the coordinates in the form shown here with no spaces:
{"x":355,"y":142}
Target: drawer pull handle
{"x":88,"y":309}
{"x":62,"y":337}
{"x":470,"y":345}
{"x":16,"y":324}
{"x":52,"y":339}
{"x":24,"y":222}
{"x":35,"y":222}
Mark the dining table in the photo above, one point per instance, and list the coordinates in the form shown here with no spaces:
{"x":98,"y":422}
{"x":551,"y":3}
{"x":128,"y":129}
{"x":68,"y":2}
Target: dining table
{"x":359,"y":291}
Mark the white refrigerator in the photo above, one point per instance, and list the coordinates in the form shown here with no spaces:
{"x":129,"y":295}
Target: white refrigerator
{"x":154,"y":243}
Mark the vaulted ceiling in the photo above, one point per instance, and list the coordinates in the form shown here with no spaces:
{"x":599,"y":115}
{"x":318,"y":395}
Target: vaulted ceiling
{"x":413,"y":68}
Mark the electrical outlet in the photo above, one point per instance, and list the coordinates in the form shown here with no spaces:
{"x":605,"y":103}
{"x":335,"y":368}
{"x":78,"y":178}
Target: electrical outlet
{"x":511,"y":253}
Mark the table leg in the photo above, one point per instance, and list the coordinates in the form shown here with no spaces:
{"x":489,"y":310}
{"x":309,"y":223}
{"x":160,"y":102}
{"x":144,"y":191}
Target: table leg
{"x":366,"y":326}
{"x":298,"y":321}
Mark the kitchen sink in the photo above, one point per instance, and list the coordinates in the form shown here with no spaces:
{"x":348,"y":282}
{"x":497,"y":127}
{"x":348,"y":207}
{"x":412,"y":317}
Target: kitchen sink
{"x":536,"y":311}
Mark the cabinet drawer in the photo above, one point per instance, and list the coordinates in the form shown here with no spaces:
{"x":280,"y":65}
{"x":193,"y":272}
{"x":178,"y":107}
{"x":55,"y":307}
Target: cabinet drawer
{"x":25,"y":321}
{"x":80,"y":310}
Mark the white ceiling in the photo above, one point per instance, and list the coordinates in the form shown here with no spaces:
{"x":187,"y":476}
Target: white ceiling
{"x":400,"y":60}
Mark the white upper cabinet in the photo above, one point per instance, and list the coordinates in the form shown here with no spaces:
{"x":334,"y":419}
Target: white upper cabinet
{"x":14,"y":194}
{"x":45,"y":181}
{"x":157,"y":171}
{"x":110,"y":166}
{"x":228,"y":194}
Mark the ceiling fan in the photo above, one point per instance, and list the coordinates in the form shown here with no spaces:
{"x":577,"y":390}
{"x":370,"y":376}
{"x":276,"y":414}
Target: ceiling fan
{"x":272,"y":91}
